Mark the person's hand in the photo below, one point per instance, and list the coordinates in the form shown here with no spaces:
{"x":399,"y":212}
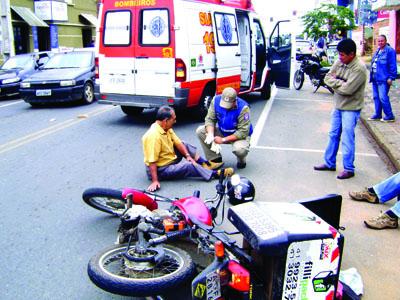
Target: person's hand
{"x":389,"y":81}
{"x":218,"y":140}
{"x":154,"y":186}
{"x":215,"y":148}
{"x":209,"y":138}
{"x":190,"y":159}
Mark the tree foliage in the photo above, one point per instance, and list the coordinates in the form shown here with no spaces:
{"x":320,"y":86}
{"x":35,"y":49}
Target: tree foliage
{"x":328,"y":20}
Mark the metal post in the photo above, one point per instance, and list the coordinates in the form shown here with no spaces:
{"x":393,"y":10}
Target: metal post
{"x":7,"y":48}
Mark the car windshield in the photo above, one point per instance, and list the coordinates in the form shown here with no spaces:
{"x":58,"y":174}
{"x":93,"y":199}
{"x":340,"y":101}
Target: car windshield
{"x":70,"y":60}
{"x":302,"y":44}
{"x":18,"y":62}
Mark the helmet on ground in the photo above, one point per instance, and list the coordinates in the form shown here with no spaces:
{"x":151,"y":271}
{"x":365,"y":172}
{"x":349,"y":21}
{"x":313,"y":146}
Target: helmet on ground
{"x":240,"y":190}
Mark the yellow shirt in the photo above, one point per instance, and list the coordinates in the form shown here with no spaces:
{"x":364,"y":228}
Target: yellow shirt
{"x":158,"y":145}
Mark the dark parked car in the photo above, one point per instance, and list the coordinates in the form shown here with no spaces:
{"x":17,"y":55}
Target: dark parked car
{"x":66,"y":77}
{"x":17,"y":68}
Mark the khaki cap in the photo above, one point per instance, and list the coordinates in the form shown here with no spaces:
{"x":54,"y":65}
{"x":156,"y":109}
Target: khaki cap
{"x":228,"y":98}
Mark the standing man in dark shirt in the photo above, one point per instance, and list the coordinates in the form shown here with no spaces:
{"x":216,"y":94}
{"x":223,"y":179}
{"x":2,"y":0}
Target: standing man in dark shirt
{"x":383,"y":73}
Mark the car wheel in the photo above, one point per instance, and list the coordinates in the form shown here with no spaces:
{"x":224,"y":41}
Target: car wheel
{"x":266,"y":90}
{"x":88,"y":93}
{"x":205,"y":101}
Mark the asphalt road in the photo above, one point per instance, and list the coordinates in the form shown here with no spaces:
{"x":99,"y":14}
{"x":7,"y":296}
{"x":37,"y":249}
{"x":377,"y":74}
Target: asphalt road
{"x":48,"y":156}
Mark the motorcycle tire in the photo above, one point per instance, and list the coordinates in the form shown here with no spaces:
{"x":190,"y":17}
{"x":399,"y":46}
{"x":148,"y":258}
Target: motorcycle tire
{"x":107,"y":200}
{"x":298,"y":80}
{"x":108,"y":271}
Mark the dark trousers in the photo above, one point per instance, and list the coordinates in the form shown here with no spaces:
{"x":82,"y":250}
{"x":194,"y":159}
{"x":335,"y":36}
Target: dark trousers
{"x":181,"y":168}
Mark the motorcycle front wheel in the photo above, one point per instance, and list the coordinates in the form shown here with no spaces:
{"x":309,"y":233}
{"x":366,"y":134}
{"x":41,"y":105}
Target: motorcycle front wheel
{"x":112,"y":272}
{"x":106,"y":200}
{"x":298,"y":80}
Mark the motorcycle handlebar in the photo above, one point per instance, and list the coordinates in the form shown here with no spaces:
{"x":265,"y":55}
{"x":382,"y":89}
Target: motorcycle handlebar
{"x":169,"y":236}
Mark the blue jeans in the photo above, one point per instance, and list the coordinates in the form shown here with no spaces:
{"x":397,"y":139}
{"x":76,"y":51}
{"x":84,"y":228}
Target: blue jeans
{"x":388,"y":189}
{"x":342,"y":126}
{"x":380,"y":92}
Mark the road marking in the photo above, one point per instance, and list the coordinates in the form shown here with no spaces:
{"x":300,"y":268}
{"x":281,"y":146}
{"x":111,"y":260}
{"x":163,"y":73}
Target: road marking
{"x":301,"y":99}
{"x":49,"y":130}
{"x":263,"y":118}
{"x":9,"y":104}
{"x":309,"y":150}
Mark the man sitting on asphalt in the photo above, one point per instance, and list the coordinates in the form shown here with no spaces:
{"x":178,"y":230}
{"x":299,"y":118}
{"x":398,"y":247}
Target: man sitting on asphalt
{"x":163,"y":152}
{"x":227,"y":122}
{"x":380,"y":193}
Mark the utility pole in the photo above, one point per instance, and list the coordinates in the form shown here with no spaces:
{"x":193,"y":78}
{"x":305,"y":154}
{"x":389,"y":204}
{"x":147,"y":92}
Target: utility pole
{"x":7,"y":48}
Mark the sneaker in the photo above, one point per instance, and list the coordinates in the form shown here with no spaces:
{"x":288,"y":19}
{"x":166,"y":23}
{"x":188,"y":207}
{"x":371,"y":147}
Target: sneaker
{"x":364,"y":195}
{"x":210,"y":165}
{"x":381,"y":222}
{"x":345,"y":175}
{"x":374,"y":118}
{"x":227,"y":172}
{"x":324,"y":167}
{"x":387,"y":120}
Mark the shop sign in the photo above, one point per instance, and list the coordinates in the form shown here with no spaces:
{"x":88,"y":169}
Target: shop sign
{"x":51,"y":10}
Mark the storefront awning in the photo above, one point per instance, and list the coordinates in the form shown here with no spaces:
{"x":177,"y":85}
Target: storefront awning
{"x":28,"y":16}
{"x":386,"y":5}
{"x":90,"y":18}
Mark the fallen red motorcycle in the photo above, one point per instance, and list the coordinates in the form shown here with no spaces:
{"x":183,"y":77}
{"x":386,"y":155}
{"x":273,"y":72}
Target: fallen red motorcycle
{"x":273,"y":262}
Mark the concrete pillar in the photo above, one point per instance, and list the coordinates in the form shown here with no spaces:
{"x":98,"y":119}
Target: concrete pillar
{"x":7,"y":48}
{"x":392,"y":29}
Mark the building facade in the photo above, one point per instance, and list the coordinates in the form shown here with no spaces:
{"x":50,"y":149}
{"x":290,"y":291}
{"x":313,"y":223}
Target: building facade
{"x":38,"y":25}
{"x":391,"y":28}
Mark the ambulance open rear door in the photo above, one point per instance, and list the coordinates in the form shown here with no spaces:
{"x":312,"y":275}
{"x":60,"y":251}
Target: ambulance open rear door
{"x":227,"y":49}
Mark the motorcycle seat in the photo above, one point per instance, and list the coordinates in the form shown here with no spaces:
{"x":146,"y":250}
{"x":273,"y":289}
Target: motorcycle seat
{"x":270,"y":227}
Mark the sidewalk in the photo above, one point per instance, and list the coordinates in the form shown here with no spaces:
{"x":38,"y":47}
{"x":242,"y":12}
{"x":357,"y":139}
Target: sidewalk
{"x":387,"y":135}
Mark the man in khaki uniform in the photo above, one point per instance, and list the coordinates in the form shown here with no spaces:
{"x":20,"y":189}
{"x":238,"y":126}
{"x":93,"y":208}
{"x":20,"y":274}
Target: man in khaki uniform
{"x":227,"y":122}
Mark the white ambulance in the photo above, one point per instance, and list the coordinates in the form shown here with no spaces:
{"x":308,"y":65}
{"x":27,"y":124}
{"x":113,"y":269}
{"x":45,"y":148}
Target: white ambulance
{"x":183,"y":52}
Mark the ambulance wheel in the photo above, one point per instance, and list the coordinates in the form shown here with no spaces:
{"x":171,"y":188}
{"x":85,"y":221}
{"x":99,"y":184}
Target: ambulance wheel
{"x":266,"y":91}
{"x":132,"y":110}
{"x":204,"y":104}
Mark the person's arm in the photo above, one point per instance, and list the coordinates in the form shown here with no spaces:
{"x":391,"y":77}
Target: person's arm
{"x":356,"y":79}
{"x":155,"y":184}
{"x":184,"y":151}
{"x":392,"y":66}
{"x":330,"y":78}
{"x":211,"y":118}
{"x":242,"y":130}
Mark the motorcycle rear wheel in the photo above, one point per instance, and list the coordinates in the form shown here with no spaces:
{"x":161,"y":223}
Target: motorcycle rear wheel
{"x":106,"y":200}
{"x":109,"y":272}
{"x":298,"y":80}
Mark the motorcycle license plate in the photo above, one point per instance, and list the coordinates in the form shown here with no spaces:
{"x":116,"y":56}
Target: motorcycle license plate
{"x":213,"y":286}
{"x":43,"y":92}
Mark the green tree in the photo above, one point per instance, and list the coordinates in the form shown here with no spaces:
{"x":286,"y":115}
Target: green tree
{"x":328,"y":20}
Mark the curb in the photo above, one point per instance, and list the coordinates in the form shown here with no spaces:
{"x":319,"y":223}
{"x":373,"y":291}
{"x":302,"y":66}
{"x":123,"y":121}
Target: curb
{"x":386,"y":147}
